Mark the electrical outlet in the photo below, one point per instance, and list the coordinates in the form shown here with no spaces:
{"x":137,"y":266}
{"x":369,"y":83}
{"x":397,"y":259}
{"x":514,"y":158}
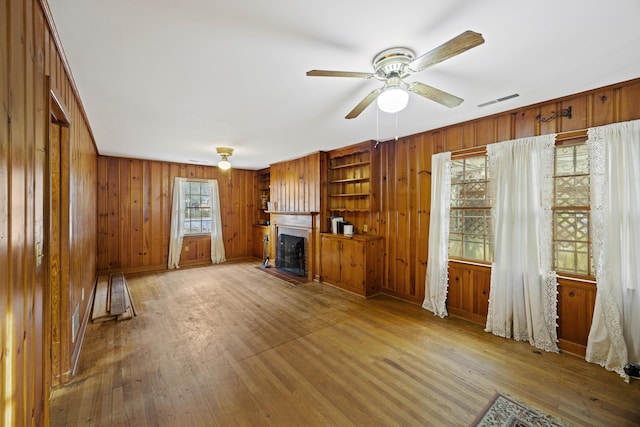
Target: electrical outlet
{"x":365,"y":228}
{"x":186,"y":248}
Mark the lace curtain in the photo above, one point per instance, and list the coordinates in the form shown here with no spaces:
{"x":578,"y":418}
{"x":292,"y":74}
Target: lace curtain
{"x":436,"y":281}
{"x":523,"y":292}
{"x":614,"y":156}
{"x":217,"y":243}
{"x":177,"y":220}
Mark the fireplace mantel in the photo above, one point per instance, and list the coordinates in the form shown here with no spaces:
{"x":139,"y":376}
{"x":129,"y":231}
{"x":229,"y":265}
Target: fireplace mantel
{"x":294,"y":219}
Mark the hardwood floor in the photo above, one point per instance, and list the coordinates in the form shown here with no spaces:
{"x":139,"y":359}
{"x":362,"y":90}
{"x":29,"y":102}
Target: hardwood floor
{"x":230,"y":345}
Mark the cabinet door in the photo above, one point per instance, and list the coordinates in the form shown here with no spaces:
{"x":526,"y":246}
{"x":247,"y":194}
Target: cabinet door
{"x":482,"y":285}
{"x":330,"y":265}
{"x":575,"y":311}
{"x":353,"y":265}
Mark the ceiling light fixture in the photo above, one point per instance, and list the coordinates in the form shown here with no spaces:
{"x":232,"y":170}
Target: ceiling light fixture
{"x":394,"y":97}
{"x":225,"y":153}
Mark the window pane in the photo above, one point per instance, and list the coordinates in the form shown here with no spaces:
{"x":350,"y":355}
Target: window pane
{"x":572,"y":191}
{"x":468,"y":228}
{"x":571,"y":226}
{"x":474,"y":222}
{"x":455,"y":245}
{"x":456,"y":196}
{"x":581,"y":159}
{"x":475,"y":169}
{"x":571,"y":246}
{"x":488,"y":247}
{"x":455,"y":221}
{"x":474,"y":247}
{"x":572,"y":160}
{"x":197,"y":208}
{"x":475,"y":194}
{"x":457,"y":171}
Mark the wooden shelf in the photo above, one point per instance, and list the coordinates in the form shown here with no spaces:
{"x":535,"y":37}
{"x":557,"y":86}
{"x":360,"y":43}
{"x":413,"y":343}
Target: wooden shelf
{"x":349,"y":165}
{"x":348,"y":210}
{"x":346,"y":180}
{"x":350,"y":195}
{"x":263,"y":194}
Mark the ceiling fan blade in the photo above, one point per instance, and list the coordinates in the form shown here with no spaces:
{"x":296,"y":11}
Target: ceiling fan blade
{"x":363,"y":104}
{"x":328,"y":73}
{"x":434,"y":94}
{"x":453,"y":47}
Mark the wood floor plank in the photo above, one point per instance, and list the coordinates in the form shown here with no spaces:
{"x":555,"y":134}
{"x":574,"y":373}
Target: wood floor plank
{"x":230,"y":345}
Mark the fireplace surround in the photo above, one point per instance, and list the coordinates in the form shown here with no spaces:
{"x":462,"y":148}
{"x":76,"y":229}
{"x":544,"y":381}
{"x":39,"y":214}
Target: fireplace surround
{"x":300,"y":225}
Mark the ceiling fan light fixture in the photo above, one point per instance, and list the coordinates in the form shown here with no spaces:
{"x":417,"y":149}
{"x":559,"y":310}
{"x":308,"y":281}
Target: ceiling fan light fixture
{"x":393,"y":99}
{"x":225,"y":153}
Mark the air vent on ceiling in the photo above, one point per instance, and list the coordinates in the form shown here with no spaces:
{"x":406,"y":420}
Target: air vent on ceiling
{"x":494,"y":101}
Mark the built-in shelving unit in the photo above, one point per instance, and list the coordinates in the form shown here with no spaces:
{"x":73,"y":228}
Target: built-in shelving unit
{"x":352,"y":178}
{"x":263,"y":194}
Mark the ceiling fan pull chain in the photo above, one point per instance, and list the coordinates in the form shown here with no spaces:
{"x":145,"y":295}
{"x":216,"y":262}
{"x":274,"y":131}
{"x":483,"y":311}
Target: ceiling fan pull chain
{"x":377,"y":126}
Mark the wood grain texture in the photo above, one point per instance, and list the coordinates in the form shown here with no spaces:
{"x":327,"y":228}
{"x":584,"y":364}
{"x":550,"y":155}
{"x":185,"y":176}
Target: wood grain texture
{"x":27,"y":352}
{"x":134,"y":208}
{"x":231,"y":345}
{"x":295,"y":184}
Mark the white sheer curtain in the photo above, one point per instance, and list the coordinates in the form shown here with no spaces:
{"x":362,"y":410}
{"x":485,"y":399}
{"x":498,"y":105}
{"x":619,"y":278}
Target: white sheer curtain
{"x":217,"y":242}
{"x":177,"y":221}
{"x":614,"y":157}
{"x":436,"y":282}
{"x":523,"y":292}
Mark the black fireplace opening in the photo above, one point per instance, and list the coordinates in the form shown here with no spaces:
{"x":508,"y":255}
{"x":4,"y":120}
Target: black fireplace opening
{"x":290,"y":256}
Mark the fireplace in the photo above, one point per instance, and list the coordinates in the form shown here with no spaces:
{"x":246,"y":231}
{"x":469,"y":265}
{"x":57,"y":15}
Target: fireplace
{"x":302,"y":225}
{"x":290,"y":255}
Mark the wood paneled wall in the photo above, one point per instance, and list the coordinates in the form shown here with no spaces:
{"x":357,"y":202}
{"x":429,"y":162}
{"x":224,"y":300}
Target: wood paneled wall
{"x":406,"y":180}
{"x":296,"y":184}
{"x":36,"y":343}
{"x":406,"y":169}
{"x":134,"y":212}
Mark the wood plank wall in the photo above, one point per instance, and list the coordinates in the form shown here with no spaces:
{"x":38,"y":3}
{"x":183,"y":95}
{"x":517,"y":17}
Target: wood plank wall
{"x":296,"y":184}
{"x":406,"y":169}
{"x":134,"y":211}
{"x":31,"y":67}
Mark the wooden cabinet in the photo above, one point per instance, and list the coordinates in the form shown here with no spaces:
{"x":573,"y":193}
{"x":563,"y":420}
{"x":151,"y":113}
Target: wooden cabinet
{"x":263,"y":196}
{"x":353,"y":178}
{"x":576,"y":301}
{"x":354,"y":263}
{"x":468,"y":295}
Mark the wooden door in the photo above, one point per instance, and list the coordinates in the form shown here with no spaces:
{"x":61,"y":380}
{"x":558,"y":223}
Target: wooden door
{"x":53,"y":251}
{"x":58,"y":234}
{"x":353,"y":266}
{"x":330,"y":260}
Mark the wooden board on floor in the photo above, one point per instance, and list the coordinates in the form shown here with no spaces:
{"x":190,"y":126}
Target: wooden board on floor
{"x":117,"y":294}
{"x":99,"y":311}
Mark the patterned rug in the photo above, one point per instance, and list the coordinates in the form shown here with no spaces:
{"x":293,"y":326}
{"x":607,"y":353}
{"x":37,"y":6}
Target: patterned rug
{"x":506,"y":411}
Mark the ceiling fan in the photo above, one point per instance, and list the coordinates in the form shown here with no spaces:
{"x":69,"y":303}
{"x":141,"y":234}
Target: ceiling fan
{"x":392,"y":65}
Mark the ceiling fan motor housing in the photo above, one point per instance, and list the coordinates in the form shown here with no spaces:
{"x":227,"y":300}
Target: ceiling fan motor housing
{"x":392,"y":62}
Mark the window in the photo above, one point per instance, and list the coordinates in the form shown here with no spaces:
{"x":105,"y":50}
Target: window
{"x":197,"y":214}
{"x":470,"y":227}
{"x":571,"y":244}
{"x":470,"y":234}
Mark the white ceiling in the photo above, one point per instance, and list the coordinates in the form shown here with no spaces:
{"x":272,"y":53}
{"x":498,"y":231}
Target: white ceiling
{"x":173,"y":79}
